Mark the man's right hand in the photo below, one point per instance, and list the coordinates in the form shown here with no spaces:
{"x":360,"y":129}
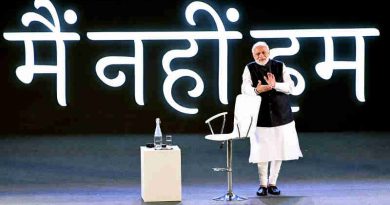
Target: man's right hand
{"x":262,"y":88}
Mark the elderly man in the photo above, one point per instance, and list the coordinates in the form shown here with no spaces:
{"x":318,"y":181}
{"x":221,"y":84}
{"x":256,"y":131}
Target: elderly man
{"x":276,"y":138}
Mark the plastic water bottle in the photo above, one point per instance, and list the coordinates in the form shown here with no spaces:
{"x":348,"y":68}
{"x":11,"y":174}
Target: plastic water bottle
{"x":157,"y":135}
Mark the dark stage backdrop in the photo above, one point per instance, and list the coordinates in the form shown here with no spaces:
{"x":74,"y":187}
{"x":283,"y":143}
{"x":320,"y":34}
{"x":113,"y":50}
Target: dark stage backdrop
{"x":95,"y":107}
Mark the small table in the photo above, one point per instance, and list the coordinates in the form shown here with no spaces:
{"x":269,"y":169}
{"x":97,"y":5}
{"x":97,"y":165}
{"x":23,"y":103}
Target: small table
{"x":160,"y":174}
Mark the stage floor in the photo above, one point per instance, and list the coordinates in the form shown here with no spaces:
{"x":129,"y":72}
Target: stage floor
{"x":337,"y":168}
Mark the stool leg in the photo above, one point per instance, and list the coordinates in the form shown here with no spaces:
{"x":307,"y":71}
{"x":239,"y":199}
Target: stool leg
{"x":229,"y":196}
{"x":229,"y":161}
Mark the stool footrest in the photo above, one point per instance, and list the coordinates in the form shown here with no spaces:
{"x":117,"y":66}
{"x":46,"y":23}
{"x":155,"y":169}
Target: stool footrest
{"x":222,"y":170}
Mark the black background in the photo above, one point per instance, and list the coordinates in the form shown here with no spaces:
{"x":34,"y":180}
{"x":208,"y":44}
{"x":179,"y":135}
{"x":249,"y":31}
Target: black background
{"x":93,"y":107}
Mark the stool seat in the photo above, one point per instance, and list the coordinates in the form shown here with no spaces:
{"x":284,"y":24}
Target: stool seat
{"x":223,"y":137}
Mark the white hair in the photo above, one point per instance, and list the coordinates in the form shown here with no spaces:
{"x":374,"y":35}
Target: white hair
{"x":258,"y":44}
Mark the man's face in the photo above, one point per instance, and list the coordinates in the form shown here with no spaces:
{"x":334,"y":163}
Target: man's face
{"x":261,"y":54}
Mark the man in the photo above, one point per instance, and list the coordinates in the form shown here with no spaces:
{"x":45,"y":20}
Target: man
{"x":276,"y":138}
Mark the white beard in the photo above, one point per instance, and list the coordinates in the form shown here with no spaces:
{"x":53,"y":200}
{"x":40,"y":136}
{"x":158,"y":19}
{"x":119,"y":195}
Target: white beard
{"x":262,"y":62}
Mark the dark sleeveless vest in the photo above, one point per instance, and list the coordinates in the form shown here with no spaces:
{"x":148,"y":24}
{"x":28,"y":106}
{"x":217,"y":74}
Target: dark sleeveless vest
{"x":275,"y":108}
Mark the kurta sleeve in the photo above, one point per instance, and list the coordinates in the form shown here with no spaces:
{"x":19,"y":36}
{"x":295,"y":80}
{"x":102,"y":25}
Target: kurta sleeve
{"x":287,"y":85}
{"x":247,"y":85}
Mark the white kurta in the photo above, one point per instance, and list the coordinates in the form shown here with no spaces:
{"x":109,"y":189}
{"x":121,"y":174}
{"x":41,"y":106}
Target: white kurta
{"x":273,"y":143}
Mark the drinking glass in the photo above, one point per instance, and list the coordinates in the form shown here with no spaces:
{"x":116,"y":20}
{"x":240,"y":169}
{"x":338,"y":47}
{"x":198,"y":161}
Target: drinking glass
{"x":168,"y":141}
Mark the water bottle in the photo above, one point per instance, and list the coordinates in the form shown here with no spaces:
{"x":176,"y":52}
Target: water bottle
{"x":157,"y":135}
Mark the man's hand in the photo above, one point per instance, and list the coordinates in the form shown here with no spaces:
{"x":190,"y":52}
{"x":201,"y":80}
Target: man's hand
{"x":262,"y":88}
{"x":270,"y":79}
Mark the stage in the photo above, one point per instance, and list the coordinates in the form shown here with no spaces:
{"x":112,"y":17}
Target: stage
{"x":337,"y":168}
